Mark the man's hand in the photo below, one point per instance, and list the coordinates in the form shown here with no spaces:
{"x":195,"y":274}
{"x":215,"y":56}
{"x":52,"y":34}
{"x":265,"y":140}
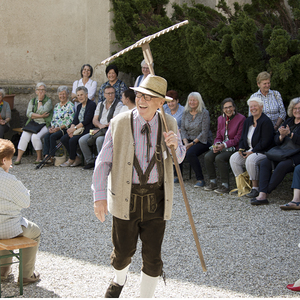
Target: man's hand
{"x":100,"y":209}
{"x":171,"y":139}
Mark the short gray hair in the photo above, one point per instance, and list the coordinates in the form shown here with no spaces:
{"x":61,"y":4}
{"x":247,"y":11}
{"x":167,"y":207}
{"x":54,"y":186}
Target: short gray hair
{"x":63,"y":88}
{"x":255,"y":99}
{"x":40,"y":84}
{"x":2,"y":92}
{"x":201,"y":104}
{"x":144,"y":63}
{"x":82,"y":88}
{"x":292,"y":104}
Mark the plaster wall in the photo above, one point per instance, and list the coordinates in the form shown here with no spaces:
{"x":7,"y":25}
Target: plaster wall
{"x":49,"y":40}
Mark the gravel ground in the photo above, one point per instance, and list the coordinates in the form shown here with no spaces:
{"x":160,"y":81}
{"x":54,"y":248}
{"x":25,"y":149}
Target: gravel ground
{"x":249,"y":251}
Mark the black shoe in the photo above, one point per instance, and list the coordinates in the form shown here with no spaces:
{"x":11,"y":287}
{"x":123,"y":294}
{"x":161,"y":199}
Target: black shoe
{"x":254,"y":201}
{"x":114,"y":290}
{"x":89,"y":166}
{"x":254,"y":193}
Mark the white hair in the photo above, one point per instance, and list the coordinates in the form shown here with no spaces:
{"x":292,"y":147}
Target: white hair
{"x":255,"y":99}
{"x":143,"y":63}
{"x":40,"y":84}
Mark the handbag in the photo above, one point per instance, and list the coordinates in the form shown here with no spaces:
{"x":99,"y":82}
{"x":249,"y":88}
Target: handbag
{"x":92,"y":138}
{"x":243,"y":184}
{"x":79,"y":131}
{"x":33,"y":127}
{"x":283,"y":151}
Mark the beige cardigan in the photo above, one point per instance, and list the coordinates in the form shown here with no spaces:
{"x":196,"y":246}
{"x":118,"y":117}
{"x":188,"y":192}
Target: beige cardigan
{"x":120,"y":177}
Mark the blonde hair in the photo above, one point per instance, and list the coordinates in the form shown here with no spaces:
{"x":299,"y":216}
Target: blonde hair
{"x":201,"y":104}
{"x":263,"y":76}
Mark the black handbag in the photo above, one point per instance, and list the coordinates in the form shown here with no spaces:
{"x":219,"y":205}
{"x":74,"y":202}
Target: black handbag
{"x":92,"y":139}
{"x":283,"y":151}
{"x":32,"y":126}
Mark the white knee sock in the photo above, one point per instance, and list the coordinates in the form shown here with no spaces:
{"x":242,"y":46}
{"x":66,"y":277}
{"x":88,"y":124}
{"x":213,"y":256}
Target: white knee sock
{"x":148,"y":285}
{"x":120,"y":275}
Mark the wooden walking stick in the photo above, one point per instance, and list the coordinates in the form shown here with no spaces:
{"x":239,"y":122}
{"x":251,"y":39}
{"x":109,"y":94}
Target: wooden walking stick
{"x":144,"y":43}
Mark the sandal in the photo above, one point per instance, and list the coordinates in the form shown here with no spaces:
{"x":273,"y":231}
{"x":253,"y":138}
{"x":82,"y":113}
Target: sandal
{"x":290,"y":207}
{"x":16,"y":163}
{"x":66,"y":164}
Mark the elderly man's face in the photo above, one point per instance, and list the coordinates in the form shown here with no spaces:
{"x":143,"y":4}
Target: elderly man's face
{"x":109,"y":95}
{"x":147,"y":109}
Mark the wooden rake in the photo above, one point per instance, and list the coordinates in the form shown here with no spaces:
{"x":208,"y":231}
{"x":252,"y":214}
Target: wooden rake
{"x":144,"y":44}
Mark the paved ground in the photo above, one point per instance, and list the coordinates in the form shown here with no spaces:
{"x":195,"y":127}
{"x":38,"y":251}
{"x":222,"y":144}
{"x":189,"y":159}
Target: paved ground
{"x":249,"y":251}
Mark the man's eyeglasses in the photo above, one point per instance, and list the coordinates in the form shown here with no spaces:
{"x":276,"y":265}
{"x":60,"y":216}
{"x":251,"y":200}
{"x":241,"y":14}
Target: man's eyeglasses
{"x":146,"y":97}
{"x":110,"y":94}
{"x":40,"y":90}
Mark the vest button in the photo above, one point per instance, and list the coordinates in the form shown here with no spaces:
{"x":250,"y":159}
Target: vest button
{"x":125,"y":216}
{"x":129,"y":163}
{"x":126,"y":200}
{"x":127,"y":181}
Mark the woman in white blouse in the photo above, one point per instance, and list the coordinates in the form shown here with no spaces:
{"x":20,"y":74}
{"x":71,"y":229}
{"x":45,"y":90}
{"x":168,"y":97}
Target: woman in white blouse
{"x":86,"y":73}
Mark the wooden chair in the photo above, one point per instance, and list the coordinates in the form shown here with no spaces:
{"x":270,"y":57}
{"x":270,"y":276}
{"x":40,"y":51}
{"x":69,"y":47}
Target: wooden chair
{"x":17,"y":243}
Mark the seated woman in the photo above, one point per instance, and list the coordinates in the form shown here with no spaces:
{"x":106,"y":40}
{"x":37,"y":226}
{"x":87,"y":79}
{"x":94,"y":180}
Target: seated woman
{"x":295,"y":203}
{"x":112,"y":73}
{"x":174,"y":108}
{"x":40,"y":110}
{"x":5,"y":114}
{"x":145,"y":71}
{"x":63,"y":115}
{"x":15,"y":197}
{"x":86,"y":73}
{"x":128,"y":100}
{"x":269,"y":179}
{"x":195,"y":132}
{"x":230,"y":126}
{"x":83,"y":118}
{"x":257,"y":138}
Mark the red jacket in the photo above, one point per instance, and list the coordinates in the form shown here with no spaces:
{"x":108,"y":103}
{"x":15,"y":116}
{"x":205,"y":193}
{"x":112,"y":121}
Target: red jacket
{"x":235,"y":128}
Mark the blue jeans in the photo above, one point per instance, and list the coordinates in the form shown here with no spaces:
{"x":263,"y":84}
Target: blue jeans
{"x":192,"y":157}
{"x":50,"y":141}
{"x":296,"y":178}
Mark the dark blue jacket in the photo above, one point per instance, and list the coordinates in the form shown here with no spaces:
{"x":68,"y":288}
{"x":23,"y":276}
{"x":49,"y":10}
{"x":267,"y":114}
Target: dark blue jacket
{"x":88,"y":116}
{"x":263,"y":136}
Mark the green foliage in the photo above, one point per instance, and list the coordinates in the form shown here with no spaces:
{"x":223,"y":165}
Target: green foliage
{"x":216,"y":54}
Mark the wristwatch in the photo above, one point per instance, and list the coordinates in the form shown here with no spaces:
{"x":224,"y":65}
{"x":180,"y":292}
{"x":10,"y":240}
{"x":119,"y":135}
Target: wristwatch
{"x":194,"y":143}
{"x":75,"y":127}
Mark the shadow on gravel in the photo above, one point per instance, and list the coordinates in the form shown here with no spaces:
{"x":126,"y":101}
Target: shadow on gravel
{"x":246,"y":249}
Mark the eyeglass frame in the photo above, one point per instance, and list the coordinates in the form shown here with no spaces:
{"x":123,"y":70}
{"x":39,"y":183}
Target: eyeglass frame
{"x":144,"y":95}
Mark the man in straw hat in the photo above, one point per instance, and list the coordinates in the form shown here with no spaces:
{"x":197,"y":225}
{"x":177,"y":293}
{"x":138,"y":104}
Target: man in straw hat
{"x":137,"y":162}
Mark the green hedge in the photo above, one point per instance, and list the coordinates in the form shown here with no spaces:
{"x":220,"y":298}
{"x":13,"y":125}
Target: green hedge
{"x":219,"y":53}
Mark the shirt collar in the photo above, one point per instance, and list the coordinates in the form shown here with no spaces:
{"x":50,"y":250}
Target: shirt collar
{"x":143,"y":122}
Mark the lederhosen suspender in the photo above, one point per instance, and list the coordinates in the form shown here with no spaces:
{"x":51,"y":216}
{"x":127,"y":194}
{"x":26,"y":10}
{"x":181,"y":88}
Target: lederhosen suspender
{"x":156,"y":158}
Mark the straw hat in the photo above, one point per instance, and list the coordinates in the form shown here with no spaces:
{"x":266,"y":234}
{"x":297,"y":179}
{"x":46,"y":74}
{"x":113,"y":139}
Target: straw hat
{"x":155,"y":86}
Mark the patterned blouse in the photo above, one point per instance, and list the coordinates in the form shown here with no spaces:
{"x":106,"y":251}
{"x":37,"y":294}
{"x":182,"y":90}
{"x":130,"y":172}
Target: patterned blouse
{"x":63,"y":115}
{"x":119,"y":86}
{"x":273,"y":105}
{"x":81,"y":114}
{"x":197,"y":128}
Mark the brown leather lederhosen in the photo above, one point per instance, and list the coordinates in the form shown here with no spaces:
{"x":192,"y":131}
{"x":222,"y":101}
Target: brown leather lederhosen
{"x":146,"y":218}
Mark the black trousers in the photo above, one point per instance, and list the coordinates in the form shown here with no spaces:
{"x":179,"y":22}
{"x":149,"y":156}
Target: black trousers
{"x":146,"y":221}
